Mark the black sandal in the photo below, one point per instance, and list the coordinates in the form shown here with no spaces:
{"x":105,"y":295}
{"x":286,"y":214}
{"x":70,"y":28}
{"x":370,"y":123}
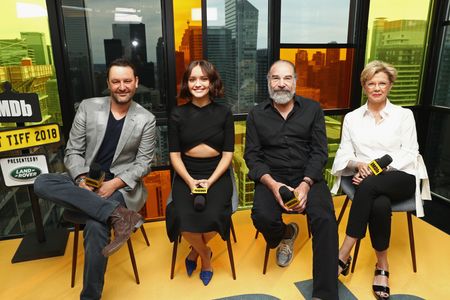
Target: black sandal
{"x":345,"y":265}
{"x":378,"y":289}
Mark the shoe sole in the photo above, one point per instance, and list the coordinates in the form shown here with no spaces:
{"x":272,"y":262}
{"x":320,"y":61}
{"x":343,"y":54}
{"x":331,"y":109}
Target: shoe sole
{"x":297,"y":230}
{"x":113,"y":250}
{"x":139,"y":223}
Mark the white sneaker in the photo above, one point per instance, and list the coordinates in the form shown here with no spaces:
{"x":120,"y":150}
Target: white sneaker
{"x":286,"y":248}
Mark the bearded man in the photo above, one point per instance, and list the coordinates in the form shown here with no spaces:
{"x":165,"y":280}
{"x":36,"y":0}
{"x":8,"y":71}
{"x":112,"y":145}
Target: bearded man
{"x":286,"y":145}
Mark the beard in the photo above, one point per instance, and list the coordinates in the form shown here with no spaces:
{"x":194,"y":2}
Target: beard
{"x":281,"y":96}
{"x":121,"y":101}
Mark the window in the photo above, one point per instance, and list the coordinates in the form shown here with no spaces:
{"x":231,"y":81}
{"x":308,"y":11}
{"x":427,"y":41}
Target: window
{"x":322,"y":74}
{"x":438,"y":156}
{"x":317,"y":22}
{"x":188,"y":37}
{"x":237,"y":46}
{"x":333,"y":126}
{"x":26,"y":61}
{"x":397,"y":35}
{"x":97,"y":32}
{"x":442,"y":89}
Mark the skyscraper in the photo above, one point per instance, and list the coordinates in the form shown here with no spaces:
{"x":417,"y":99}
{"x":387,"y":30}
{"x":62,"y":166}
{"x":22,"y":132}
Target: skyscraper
{"x":12,"y":51}
{"x":262,"y":68}
{"x":219,"y":49}
{"x":241,"y":18}
{"x":113,"y":49}
{"x":133,"y":41}
{"x":37,"y":42}
{"x":191,"y":44}
{"x":443,"y":83}
{"x":400,"y":42}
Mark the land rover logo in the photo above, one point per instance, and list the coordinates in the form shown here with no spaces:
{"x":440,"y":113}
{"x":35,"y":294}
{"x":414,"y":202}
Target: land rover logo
{"x":25,"y":173}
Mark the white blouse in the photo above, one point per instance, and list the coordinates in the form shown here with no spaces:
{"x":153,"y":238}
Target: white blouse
{"x":363,"y":140}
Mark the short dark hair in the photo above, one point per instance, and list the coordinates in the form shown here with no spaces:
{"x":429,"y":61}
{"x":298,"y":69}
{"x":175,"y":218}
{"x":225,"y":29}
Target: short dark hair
{"x":216,"y":89}
{"x":121,"y":62}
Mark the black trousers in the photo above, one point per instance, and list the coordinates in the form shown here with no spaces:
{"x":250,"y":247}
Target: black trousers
{"x":267,"y":218}
{"x":372,"y":206}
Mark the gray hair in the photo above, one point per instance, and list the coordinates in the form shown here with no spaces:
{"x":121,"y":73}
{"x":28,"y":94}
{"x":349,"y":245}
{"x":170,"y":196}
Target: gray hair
{"x":282,"y":61}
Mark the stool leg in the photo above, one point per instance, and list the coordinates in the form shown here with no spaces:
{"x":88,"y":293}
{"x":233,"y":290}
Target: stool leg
{"x":232,"y":230}
{"x":266,"y":258}
{"x":355,"y":255}
{"x":145,"y":235}
{"x":133,"y":260}
{"x":230,"y":255}
{"x":411,"y":241}
{"x":309,"y":228}
{"x":344,"y":206}
{"x":74,"y":254}
{"x":174,"y":257}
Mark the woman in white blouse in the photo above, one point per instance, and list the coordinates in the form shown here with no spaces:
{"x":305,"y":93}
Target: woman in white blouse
{"x":369,"y":132}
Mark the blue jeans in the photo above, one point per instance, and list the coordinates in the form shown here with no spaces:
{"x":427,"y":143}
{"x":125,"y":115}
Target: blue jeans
{"x":95,"y":212}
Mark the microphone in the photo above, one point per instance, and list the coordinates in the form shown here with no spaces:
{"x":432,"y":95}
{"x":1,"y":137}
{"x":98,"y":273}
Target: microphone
{"x":199,"y":194}
{"x":95,"y":176}
{"x":289,"y":198}
{"x":379,"y":164}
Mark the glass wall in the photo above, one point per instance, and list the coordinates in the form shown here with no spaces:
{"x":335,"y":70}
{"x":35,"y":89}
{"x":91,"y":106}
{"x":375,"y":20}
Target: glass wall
{"x":188,"y":37}
{"x":323,"y":74}
{"x":26,"y":61}
{"x":333,"y":127}
{"x":318,"y":22}
{"x":97,"y":32}
{"x":438,"y":141}
{"x":442,"y":89}
{"x":237,"y":45}
{"x":438,"y":154}
{"x":398,"y":35}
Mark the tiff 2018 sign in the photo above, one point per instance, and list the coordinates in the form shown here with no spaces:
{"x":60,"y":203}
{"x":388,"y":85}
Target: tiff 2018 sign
{"x":19,"y":107}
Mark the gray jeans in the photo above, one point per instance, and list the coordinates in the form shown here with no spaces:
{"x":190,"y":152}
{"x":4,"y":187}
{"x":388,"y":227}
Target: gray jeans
{"x":95,"y":212}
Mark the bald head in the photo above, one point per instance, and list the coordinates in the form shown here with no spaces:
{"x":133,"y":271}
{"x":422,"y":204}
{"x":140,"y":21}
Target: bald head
{"x":282,"y":62}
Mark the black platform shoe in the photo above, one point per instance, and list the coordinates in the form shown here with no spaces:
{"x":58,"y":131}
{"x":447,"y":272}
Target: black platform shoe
{"x":378,"y":289}
{"x":345,"y":266}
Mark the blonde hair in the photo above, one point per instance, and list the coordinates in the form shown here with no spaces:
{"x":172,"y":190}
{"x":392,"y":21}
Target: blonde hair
{"x":375,"y":67}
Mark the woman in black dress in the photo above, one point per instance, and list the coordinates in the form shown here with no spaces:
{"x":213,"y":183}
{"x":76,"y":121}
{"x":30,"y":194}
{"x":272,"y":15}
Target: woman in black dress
{"x":201,"y":145}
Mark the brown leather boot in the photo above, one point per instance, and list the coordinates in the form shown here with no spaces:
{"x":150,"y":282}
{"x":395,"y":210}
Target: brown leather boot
{"x":124,"y":222}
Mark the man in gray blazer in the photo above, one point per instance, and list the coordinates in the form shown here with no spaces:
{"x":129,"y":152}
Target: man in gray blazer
{"x":118,"y":135}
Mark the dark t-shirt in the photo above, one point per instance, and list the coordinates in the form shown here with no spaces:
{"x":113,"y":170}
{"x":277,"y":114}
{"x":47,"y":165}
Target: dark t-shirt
{"x":190,"y":125}
{"x":108,"y":147}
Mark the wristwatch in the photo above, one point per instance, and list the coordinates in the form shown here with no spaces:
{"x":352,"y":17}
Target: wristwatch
{"x":308,"y":181}
{"x":79,"y":180}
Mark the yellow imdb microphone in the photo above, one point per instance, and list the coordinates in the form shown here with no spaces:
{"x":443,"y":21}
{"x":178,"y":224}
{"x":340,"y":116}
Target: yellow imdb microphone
{"x":199,"y":194}
{"x":289,"y":198}
{"x":95,"y":176}
{"x":379,"y":164}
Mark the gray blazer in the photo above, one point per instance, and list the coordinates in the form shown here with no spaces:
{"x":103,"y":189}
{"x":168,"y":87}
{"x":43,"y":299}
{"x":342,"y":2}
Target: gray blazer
{"x":134,"y":151}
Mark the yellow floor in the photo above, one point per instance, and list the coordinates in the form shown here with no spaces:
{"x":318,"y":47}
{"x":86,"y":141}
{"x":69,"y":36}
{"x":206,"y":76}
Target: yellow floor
{"x":50,"y":278}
